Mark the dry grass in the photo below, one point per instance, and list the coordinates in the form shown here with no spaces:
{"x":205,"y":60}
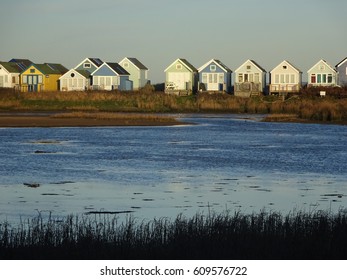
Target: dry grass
{"x":307,"y":106}
{"x":281,"y":118}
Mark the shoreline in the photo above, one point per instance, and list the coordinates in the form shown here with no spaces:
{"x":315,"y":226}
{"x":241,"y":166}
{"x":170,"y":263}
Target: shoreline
{"x":58,"y":119}
{"x":26,"y":119}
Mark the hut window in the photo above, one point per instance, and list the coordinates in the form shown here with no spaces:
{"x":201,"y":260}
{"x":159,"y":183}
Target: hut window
{"x":25,"y":79}
{"x":221,"y":78}
{"x":87,"y":65}
{"x":319,"y":78}
{"x":40,"y":79}
{"x":32,"y":70}
{"x":248,"y":67}
{"x":213,"y":68}
{"x":330,"y":78}
{"x":313,"y":78}
{"x":13,"y":80}
{"x":324,"y":78}
{"x":256,"y":77}
{"x":72,"y":75}
{"x":179,"y":66}
{"x":240,"y":78}
{"x":282,"y":78}
{"x":292,"y":78}
{"x":126,"y":65}
{"x":321,"y":67}
{"x":251,"y":78}
{"x":277,"y":78}
{"x":204,"y":78}
{"x":285,"y":67}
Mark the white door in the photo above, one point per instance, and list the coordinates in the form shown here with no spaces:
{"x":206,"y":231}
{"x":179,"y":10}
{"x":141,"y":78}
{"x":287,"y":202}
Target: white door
{"x":180,"y":80}
{"x":212,"y":81}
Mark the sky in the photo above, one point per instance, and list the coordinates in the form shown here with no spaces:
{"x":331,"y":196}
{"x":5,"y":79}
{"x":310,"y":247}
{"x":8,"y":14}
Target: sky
{"x":159,"y":31}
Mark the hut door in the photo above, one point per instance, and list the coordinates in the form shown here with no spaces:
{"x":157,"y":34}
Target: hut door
{"x":213,"y":81}
{"x":32,"y":83}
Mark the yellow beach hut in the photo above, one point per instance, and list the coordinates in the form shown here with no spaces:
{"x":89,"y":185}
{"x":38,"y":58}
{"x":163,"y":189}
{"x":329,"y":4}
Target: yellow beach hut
{"x":41,"y":77}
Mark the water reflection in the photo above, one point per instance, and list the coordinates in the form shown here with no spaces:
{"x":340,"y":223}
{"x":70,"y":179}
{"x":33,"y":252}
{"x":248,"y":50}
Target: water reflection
{"x":222,"y":163}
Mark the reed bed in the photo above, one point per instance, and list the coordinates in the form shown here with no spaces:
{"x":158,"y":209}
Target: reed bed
{"x":263,"y":235}
{"x":306,"y":105}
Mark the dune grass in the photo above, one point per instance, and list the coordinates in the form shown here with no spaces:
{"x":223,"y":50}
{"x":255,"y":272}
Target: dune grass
{"x":263,"y":235}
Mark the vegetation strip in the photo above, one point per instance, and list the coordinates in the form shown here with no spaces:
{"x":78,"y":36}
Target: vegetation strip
{"x":263,"y":235}
{"x":307,"y":106}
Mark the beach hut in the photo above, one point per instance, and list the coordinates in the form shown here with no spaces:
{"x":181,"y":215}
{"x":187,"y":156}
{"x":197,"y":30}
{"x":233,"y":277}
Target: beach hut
{"x":74,"y":80}
{"x":111,"y":76}
{"x":138,"y":72}
{"x":322,"y":74}
{"x":214,"y":76}
{"x":181,"y":78}
{"x":10,"y":72}
{"x":341,"y":69}
{"x":250,"y":79}
{"x":9,"y":75}
{"x":285,"y":78}
{"x":41,"y":77}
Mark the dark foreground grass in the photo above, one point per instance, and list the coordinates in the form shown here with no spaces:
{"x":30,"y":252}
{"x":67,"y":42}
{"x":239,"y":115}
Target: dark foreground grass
{"x":300,"y":235}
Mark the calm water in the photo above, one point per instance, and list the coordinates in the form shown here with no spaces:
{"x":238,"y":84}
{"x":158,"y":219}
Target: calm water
{"x":223,"y":162}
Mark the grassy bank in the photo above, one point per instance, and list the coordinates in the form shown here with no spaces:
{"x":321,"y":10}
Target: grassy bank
{"x":305,"y":106}
{"x":299,"y":235}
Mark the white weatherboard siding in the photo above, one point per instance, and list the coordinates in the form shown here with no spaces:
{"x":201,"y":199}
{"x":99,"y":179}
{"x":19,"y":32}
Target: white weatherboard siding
{"x":179,"y":79}
{"x":8,"y":80}
{"x":71,"y":84}
{"x":106,"y":82}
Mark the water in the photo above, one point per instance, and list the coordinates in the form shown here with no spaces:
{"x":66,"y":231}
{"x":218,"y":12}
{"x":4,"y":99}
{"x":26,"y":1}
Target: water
{"x":224,"y":162}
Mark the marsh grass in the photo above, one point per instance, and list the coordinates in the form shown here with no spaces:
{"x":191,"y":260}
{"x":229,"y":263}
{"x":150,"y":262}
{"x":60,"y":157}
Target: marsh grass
{"x":263,"y":235}
{"x":306,"y":106}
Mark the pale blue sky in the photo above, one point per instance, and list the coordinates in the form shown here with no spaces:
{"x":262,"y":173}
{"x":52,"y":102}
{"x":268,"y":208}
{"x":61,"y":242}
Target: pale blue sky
{"x":159,"y":31}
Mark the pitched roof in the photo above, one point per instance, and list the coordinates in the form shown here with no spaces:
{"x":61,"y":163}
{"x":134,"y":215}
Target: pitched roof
{"x":83,"y":73}
{"x":325,"y":63}
{"x":137,"y":63}
{"x":288,"y":63}
{"x":341,"y":62}
{"x":11,"y":67}
{"x":186,"y":64}
{"x":254,"y":63}
{"x":22,"y":63}
{"x":96,"y":61}
{"x":50,"y":68}
{"x":117,"y":68}
{"x":218,"y":62}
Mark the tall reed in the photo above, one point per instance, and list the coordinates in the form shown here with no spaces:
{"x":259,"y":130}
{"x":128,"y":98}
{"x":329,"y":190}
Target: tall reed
{"x":263,"y":235}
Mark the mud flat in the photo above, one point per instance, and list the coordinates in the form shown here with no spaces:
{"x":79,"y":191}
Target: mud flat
{"x":82,"y":119}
